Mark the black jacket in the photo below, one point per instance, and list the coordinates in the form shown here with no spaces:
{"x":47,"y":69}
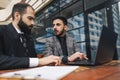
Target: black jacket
{"x":12,"y":53}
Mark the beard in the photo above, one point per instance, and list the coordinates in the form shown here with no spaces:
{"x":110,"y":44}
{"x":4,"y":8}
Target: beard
{"x":60,"y":33}
{"x":24,"y":27}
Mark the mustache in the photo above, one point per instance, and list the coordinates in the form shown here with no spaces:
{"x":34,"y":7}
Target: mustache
{"x":30,"y":26}
{"x":55,"y":31}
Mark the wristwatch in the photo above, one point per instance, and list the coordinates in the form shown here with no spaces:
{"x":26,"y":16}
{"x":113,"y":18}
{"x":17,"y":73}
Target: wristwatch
{"x":65,"y":59}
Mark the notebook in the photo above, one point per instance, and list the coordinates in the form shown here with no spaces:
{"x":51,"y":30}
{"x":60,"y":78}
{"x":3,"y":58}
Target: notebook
{"x":105,"y":50}
{"x":41,"y":73}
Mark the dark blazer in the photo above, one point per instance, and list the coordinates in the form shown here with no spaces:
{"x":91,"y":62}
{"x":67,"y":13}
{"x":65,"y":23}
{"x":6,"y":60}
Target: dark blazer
{"x":53,"y":46}
{"x":12,"y":53}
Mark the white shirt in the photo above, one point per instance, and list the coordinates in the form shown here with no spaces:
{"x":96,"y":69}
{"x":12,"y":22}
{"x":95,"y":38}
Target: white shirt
{"x":33,"y":62}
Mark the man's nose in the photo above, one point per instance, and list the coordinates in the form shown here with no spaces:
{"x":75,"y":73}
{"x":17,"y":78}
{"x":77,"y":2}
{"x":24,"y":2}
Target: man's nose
{"x":33,"y":22}
{"x":54,"y":26}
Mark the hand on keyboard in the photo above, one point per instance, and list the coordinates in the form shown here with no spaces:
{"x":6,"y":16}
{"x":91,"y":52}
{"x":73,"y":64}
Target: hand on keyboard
{"x":76,"y":56}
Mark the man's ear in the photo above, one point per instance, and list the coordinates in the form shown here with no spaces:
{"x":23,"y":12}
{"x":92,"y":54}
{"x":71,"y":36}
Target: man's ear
{"x":66,"y":27}
{"x":17,"y":16}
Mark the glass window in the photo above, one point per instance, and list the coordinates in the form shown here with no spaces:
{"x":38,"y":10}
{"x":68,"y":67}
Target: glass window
{"x":95,"y":28}
{"x":82,"y":47}
{"x":76,"y":21}
{"x":92,"y":3}
{"x":116,"y":20}
{"x":82,"y":34}
{"x":75,"y":34}
{"x":78,"y":34}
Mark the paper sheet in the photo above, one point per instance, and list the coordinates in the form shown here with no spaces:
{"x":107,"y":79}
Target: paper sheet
{"x":46,"y":72}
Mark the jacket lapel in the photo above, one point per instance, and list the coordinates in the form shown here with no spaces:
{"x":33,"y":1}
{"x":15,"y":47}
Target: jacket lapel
{"x":14,"y":36}
{"x":13,"y":32}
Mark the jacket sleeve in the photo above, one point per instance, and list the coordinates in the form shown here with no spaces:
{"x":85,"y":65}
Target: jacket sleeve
{"x":11,"y":62}
{"x":76,"y":47}
{"x":49,"y":47}
{"x":7,"y":62}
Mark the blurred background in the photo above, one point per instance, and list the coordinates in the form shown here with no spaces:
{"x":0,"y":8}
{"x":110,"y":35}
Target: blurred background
{"x":85,"y":20}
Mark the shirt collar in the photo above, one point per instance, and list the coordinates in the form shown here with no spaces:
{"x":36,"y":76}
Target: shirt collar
{"x":18,"y":31}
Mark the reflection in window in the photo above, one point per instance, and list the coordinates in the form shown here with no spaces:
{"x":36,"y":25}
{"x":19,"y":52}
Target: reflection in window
{"x":77,"y":34}
{"x":50,"y":10}
{"x":64,"y":2}
{"x":76,"y":21}
{"x":82,"y":47}
{"x":82,"y":34}
{"x":116,"y":20}
{"x":96,"y":20}
{"x":76,"y":30}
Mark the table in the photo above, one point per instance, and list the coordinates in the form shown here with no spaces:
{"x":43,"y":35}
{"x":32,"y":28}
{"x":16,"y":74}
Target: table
{"x":109,"y":71}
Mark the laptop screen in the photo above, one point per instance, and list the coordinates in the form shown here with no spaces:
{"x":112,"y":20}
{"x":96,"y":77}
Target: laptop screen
{"x":106,"y":46}
{"x":105,"y":50}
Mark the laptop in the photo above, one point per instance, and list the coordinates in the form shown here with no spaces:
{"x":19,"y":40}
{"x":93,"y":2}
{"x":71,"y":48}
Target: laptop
{"x":105,"y":50}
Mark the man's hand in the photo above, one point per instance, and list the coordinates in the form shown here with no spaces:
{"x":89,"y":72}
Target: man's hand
{"x":76,"y":56}
{"x":49,"y":60}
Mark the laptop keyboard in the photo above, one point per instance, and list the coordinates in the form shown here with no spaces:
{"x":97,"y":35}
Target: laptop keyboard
{"x":84,"y":61}
{"x":81,"y":61}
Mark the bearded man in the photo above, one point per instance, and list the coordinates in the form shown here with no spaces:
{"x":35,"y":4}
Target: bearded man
{"x":61,"y":44}
{"x":16,"y":45}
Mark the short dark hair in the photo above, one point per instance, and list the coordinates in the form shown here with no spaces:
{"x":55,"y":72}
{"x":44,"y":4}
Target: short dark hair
{"x":21,"y":8}
{"x":61,"y":18}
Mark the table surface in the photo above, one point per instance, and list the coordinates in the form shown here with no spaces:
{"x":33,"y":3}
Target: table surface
{"x":109,"y":71}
